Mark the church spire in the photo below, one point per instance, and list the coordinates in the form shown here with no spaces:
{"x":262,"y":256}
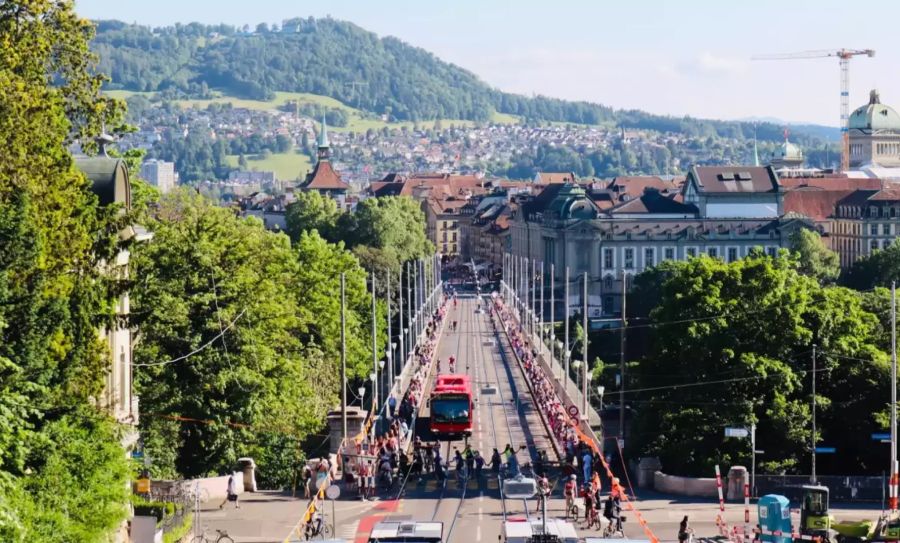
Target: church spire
{"x":324,"y":151}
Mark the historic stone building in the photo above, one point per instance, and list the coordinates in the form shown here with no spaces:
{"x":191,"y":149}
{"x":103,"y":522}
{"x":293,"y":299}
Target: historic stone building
{"x":875,"y":135}
{"x":724,"y":212}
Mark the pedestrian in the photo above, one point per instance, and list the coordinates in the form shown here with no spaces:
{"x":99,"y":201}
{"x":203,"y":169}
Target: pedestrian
{"x":496,"y":462}
{"x":306,"y":477}
{"x":586,"y":460}
{"x":479,"y":464}
{"x":363,"y":479}
{"x":231,"y":493}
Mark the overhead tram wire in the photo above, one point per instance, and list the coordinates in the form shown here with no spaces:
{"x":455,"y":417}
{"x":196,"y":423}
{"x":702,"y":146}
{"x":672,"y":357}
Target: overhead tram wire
{"x":198,"y":349}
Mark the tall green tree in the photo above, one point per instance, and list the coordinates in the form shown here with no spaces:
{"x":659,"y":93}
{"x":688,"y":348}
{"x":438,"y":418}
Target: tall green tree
{"x":815,"y":259}
{"x":733,"y":346}
{"x":391,"y":223}
{"x":312,"y":211}
{"x":62,"y":471}
{"x":878,"y":269}
{"x":220,"y":342}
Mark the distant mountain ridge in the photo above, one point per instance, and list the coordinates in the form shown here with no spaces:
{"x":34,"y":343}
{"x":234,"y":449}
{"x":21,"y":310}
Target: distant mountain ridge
{"x":384,"y":76}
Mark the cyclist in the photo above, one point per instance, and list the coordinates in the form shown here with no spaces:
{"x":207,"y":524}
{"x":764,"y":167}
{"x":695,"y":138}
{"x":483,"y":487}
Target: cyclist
{"x":588,"y":504}
{"x":543,"y":489}
{"x":314,"y":528}
{"x":452,"y":364}
{"x":569,"y":493}
{"x":685,"y":532}
{"x":612,"y":510}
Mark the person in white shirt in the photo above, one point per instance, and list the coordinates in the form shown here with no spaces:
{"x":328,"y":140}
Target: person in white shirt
{"x":232,"y":495}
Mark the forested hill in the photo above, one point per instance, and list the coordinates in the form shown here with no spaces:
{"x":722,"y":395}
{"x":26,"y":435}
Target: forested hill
{"x":341,"y":60}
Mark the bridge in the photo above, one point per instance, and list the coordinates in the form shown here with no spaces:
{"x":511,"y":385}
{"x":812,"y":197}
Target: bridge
{"x":473,"y":510}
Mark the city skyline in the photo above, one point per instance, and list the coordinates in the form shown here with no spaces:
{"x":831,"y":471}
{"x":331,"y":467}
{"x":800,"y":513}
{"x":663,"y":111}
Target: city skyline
{"x":674,"y":60}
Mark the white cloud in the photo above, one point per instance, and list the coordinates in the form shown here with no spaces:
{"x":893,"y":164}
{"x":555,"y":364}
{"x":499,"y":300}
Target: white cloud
{"x":713,"y":66}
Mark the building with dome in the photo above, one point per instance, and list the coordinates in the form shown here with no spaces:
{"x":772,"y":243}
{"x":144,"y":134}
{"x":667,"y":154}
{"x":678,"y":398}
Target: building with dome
{"x":787,"y":156}
{"x":875,"y":135}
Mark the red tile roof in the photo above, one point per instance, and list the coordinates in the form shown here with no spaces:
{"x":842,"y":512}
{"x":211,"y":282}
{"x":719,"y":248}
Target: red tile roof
{"x":323,"y":177}
{"x":556,"y":177}
{"x":634,"y":186}
{"x":830,"y":183}
{"x":816,"y":204}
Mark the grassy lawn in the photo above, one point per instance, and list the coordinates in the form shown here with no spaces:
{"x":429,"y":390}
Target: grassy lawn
{"x":358,"y":121}
{"x":287,"y":166}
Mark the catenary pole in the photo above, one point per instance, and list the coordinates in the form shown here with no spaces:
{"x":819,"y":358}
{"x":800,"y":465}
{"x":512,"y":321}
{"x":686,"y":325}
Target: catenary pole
{"x":374,"y":357}
{"x":622,"y":362}
{"x":389,"y":347}
{"x":343,"y":362}
{"x":552,"y":315}
{"x":565,"y":351}
{"x":584,"y":323}
{"x":541,"y":313}
{"x":892,"y":482}
{"x":813,"y":447}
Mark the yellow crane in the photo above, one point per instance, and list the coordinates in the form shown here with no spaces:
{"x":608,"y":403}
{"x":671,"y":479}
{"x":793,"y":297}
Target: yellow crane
{"x":843,"y":56}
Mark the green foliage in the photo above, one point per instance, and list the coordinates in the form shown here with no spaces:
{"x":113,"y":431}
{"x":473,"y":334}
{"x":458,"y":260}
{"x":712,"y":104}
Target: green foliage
{"x":312,"y":211}
{"x":204,"y":269}
{"x":331,"y":57}
{"x":393,"y":224}
{"x":62,"y":471}
{"x":815,"y":259}
{"x":878,"y":269}
{"x":746,"y":329}
{"x":180,"y":531}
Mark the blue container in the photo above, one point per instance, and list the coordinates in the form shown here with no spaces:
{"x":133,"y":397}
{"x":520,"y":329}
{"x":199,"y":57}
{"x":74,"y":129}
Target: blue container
{"x":774,"y":519}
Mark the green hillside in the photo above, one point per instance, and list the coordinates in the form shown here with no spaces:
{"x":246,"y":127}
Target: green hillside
{"x":339,"y":60}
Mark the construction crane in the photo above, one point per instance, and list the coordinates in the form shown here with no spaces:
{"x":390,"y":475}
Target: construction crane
{"x":844,"y":56}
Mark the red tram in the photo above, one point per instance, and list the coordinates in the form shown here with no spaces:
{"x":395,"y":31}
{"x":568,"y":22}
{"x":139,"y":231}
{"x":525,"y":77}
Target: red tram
{"x":451,"y":407}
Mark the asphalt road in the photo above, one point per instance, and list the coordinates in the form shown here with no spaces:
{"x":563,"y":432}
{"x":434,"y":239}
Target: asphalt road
{"x":474,"y":512}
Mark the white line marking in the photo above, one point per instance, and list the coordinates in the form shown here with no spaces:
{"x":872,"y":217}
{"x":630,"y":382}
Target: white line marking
{"x":478,"y":533}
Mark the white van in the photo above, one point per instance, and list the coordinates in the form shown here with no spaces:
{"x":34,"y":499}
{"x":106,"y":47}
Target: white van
{"x":521,"y":530}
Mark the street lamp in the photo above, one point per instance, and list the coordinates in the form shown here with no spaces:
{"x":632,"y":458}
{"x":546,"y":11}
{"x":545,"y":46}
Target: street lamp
{"x":600,"y":390}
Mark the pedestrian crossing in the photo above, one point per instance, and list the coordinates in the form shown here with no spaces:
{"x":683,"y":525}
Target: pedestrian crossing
{"x":347,"y":530}
{"x":430,"y":484}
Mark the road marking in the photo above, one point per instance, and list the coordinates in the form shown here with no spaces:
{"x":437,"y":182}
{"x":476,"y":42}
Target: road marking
{"x":478,"y":533}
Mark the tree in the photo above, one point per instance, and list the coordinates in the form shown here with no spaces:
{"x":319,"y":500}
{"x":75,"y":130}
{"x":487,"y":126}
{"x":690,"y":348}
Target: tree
{"x":53,"y":297}
{"x":878,"y":269}
{"x":391,"y":222}
{"x":815,"y":259}
{"x":742,"y":319}
{"x":223,"y":288}
{"x":312,"y":211}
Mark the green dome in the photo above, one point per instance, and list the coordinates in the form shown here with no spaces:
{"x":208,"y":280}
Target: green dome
{"x":788,"y":151}
{"x":875,"y":116}
{"x":572,"y":203}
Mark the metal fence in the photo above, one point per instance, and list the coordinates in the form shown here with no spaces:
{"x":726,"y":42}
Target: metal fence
{"x":843,"y":488}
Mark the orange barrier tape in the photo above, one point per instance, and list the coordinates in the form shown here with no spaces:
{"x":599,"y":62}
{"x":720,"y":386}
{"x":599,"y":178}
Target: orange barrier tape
{"x":616,"y":486}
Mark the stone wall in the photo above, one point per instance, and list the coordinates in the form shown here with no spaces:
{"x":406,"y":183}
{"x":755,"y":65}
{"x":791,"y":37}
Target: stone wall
{"x":685,"y":486}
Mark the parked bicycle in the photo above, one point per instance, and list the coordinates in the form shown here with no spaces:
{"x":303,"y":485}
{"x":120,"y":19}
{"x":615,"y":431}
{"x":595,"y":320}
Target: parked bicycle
{"x":222,"y":537}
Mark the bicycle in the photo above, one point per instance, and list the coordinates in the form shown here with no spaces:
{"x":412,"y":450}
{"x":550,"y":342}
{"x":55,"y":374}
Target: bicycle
{"x":316,"y":528}
{"x":223,"y":537}
{"x":614,"y":528}
{"x":571,"y":507}
{"x":593,"y":519}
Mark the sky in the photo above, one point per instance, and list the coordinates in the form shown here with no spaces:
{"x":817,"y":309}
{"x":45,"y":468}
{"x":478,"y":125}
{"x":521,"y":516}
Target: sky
{"x":688,"y":57}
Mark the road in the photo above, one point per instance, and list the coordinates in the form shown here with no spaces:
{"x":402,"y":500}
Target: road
{"x":474,"y":513}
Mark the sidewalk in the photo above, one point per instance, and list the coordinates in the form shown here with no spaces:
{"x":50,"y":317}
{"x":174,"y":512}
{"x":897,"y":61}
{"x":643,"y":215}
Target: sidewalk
{"x":265,"y":516}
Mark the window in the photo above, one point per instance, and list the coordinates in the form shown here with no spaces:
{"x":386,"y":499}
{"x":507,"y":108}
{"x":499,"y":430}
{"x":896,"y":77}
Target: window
{"x":629,"y":258}
{"x":691,"y":252}
{"x":608,"y":258}
{"x":713,"y":252}
{"x":885,"y":229}
{"x":607,"y":304}
{"x":873,"y":244}
{"x":772,"y":251}
{"x":648,"y":257}
{"x":454,"y":236}
{"x":873,"y":229}
{"x":669,"y":253}
{"x":608,"y":282}
{"x":732,"y":254}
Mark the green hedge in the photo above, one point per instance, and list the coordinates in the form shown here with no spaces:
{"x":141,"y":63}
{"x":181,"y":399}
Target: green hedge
{"x":177,"y":533}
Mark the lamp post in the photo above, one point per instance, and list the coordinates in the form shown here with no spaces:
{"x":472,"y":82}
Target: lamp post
{"x":379,"y":392}
{"x":374,"y":378}
{"x":568,"y":359}
{"x":405,"y":340}
{"x":577,"y":365}
{"x":600,"y":390}
{"x":562,"y":356}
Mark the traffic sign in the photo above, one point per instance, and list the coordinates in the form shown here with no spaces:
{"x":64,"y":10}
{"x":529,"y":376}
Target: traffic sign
{"x":825,"y":450}
{"x":333,"y":492}
{"x":736,"y":432}
{"x":573,"y":411}
{"x":881,"y":437}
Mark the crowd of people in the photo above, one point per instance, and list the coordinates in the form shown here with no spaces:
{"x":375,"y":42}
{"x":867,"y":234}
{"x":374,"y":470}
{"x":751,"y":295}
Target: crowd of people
{"x":378,"y":455}
{"x":580,"y":459}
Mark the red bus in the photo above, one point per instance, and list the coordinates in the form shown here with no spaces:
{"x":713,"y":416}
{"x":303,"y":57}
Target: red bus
{"x":451,"y":406}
